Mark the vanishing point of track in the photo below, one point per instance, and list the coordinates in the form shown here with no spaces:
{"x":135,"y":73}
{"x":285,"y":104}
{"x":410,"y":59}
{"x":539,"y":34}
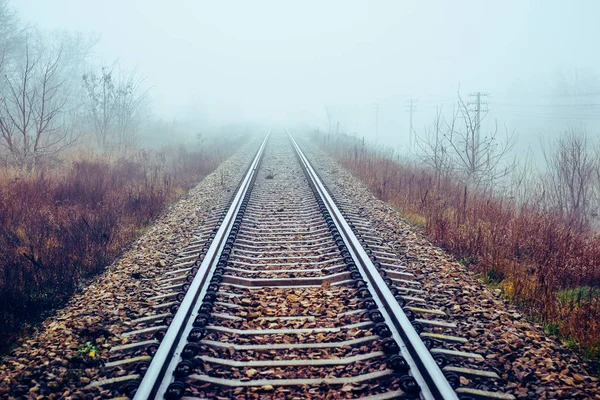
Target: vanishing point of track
{"x":288,"y":295}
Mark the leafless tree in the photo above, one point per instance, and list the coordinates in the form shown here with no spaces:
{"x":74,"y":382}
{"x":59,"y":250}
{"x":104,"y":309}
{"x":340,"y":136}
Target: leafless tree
{"x":524,"y":184}
{"x":478,"y":160}
{"x":116,"y":100}
{"x":432,"y":147}
{"x":575,"y":83}
{"x":454,"y":147}
{"x":1,"y":67}
{"x":76,"y":49}
{"x":131,"y":100}
{"x":11,"y":33}
{"x":11,"y":36}
{"x":571,"y":169}
{"x":30,"y":114}
{"x":329,"y":116}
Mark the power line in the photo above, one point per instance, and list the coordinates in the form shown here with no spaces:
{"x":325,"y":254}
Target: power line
{"x":376,"y":121}
{"x":559,"y":117}
{"x":478,"y":104}
{"x":582,"y":106}
{"x":410,"y":107}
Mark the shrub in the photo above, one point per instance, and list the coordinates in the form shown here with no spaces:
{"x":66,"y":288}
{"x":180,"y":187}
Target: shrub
{"x":64,"y":225}
{"x":544,"y":263}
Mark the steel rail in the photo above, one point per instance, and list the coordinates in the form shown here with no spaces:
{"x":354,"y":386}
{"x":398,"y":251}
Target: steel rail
{"x":160,"y":372}
{"x":425,"y":370}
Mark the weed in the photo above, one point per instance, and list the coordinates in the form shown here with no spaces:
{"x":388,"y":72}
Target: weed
{"x":495,"y":277}
{"x":60,"y":227}
{"x":89,"y":350}
{"x":552,"y":328}
{"x":578,"y":294}
{"x":543,"y":263}
{"x":415,"y":219}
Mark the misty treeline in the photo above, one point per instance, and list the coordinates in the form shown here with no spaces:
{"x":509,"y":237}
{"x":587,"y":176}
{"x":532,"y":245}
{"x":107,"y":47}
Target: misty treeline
{"x":460,"y":147}
{"x":54,"y":95}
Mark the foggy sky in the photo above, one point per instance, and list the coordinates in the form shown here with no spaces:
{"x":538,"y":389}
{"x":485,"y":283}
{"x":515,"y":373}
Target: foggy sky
{"x":283,"y":61}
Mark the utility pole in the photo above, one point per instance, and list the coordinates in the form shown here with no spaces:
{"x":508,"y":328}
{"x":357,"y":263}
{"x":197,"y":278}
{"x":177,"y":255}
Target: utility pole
{"x":476,"y":134}
{"x":478,"y":110}
{"x":376,"y":121}
{"x":410,"y":107}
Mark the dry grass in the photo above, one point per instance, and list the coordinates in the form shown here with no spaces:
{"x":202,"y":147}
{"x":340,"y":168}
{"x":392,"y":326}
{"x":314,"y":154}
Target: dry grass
{"x":63,"y":225}
{"x":544,"y":264}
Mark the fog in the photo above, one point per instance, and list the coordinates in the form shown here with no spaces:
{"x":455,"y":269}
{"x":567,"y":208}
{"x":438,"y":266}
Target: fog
{"x":275,"y":62}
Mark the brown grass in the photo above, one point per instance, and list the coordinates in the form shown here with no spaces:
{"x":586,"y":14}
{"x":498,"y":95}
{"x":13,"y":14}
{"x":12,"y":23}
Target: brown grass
{"x":546,"y":265}
{"x":63,"y":225}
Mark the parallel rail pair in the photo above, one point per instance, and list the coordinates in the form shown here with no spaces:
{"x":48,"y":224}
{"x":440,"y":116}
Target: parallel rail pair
{"x":406,"y":352}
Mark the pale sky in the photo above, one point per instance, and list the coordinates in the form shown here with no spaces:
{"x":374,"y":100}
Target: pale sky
{"x":283,"y":61}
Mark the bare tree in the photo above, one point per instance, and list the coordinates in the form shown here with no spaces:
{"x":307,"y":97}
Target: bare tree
{"x":76,"y":50}
{"x":432,"y":147}
{"x":455,"y":147}
{"x":11,"y":36}
{"x":30,"y":123}
{"x":478,"y":160}
{"x":100,"y":92}
{"x":115,"y":104}
{"x":576,"y":83}
{"x":329,"y":116}
{"x":525,"y":186}
{"x":1,"y":67}
{"x":131,"y":100}
{"x":596,"y":182}
{"x":571,"y":168}
{"x":11,"y":33}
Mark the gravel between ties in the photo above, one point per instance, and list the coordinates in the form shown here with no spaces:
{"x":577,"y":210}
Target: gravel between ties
{"x":289,"y":234}
{"x":49,"y":365}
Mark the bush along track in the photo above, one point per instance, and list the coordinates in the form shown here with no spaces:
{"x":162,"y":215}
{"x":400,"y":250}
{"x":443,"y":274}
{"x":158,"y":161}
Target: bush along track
{"x":545,"y":261}
{"x":68,"y":350}
{"x":62,"y":225}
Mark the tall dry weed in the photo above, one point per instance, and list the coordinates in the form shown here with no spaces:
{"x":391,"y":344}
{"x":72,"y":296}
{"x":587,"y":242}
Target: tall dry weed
{"x":546,"y":264}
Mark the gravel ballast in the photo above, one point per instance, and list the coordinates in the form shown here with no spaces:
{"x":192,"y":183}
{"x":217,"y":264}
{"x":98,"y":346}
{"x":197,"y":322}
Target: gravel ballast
{"x":49,"y":363}
{"x":531,"y":364}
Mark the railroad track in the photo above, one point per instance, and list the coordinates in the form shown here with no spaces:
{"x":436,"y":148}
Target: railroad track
{"x":287,"y":293}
